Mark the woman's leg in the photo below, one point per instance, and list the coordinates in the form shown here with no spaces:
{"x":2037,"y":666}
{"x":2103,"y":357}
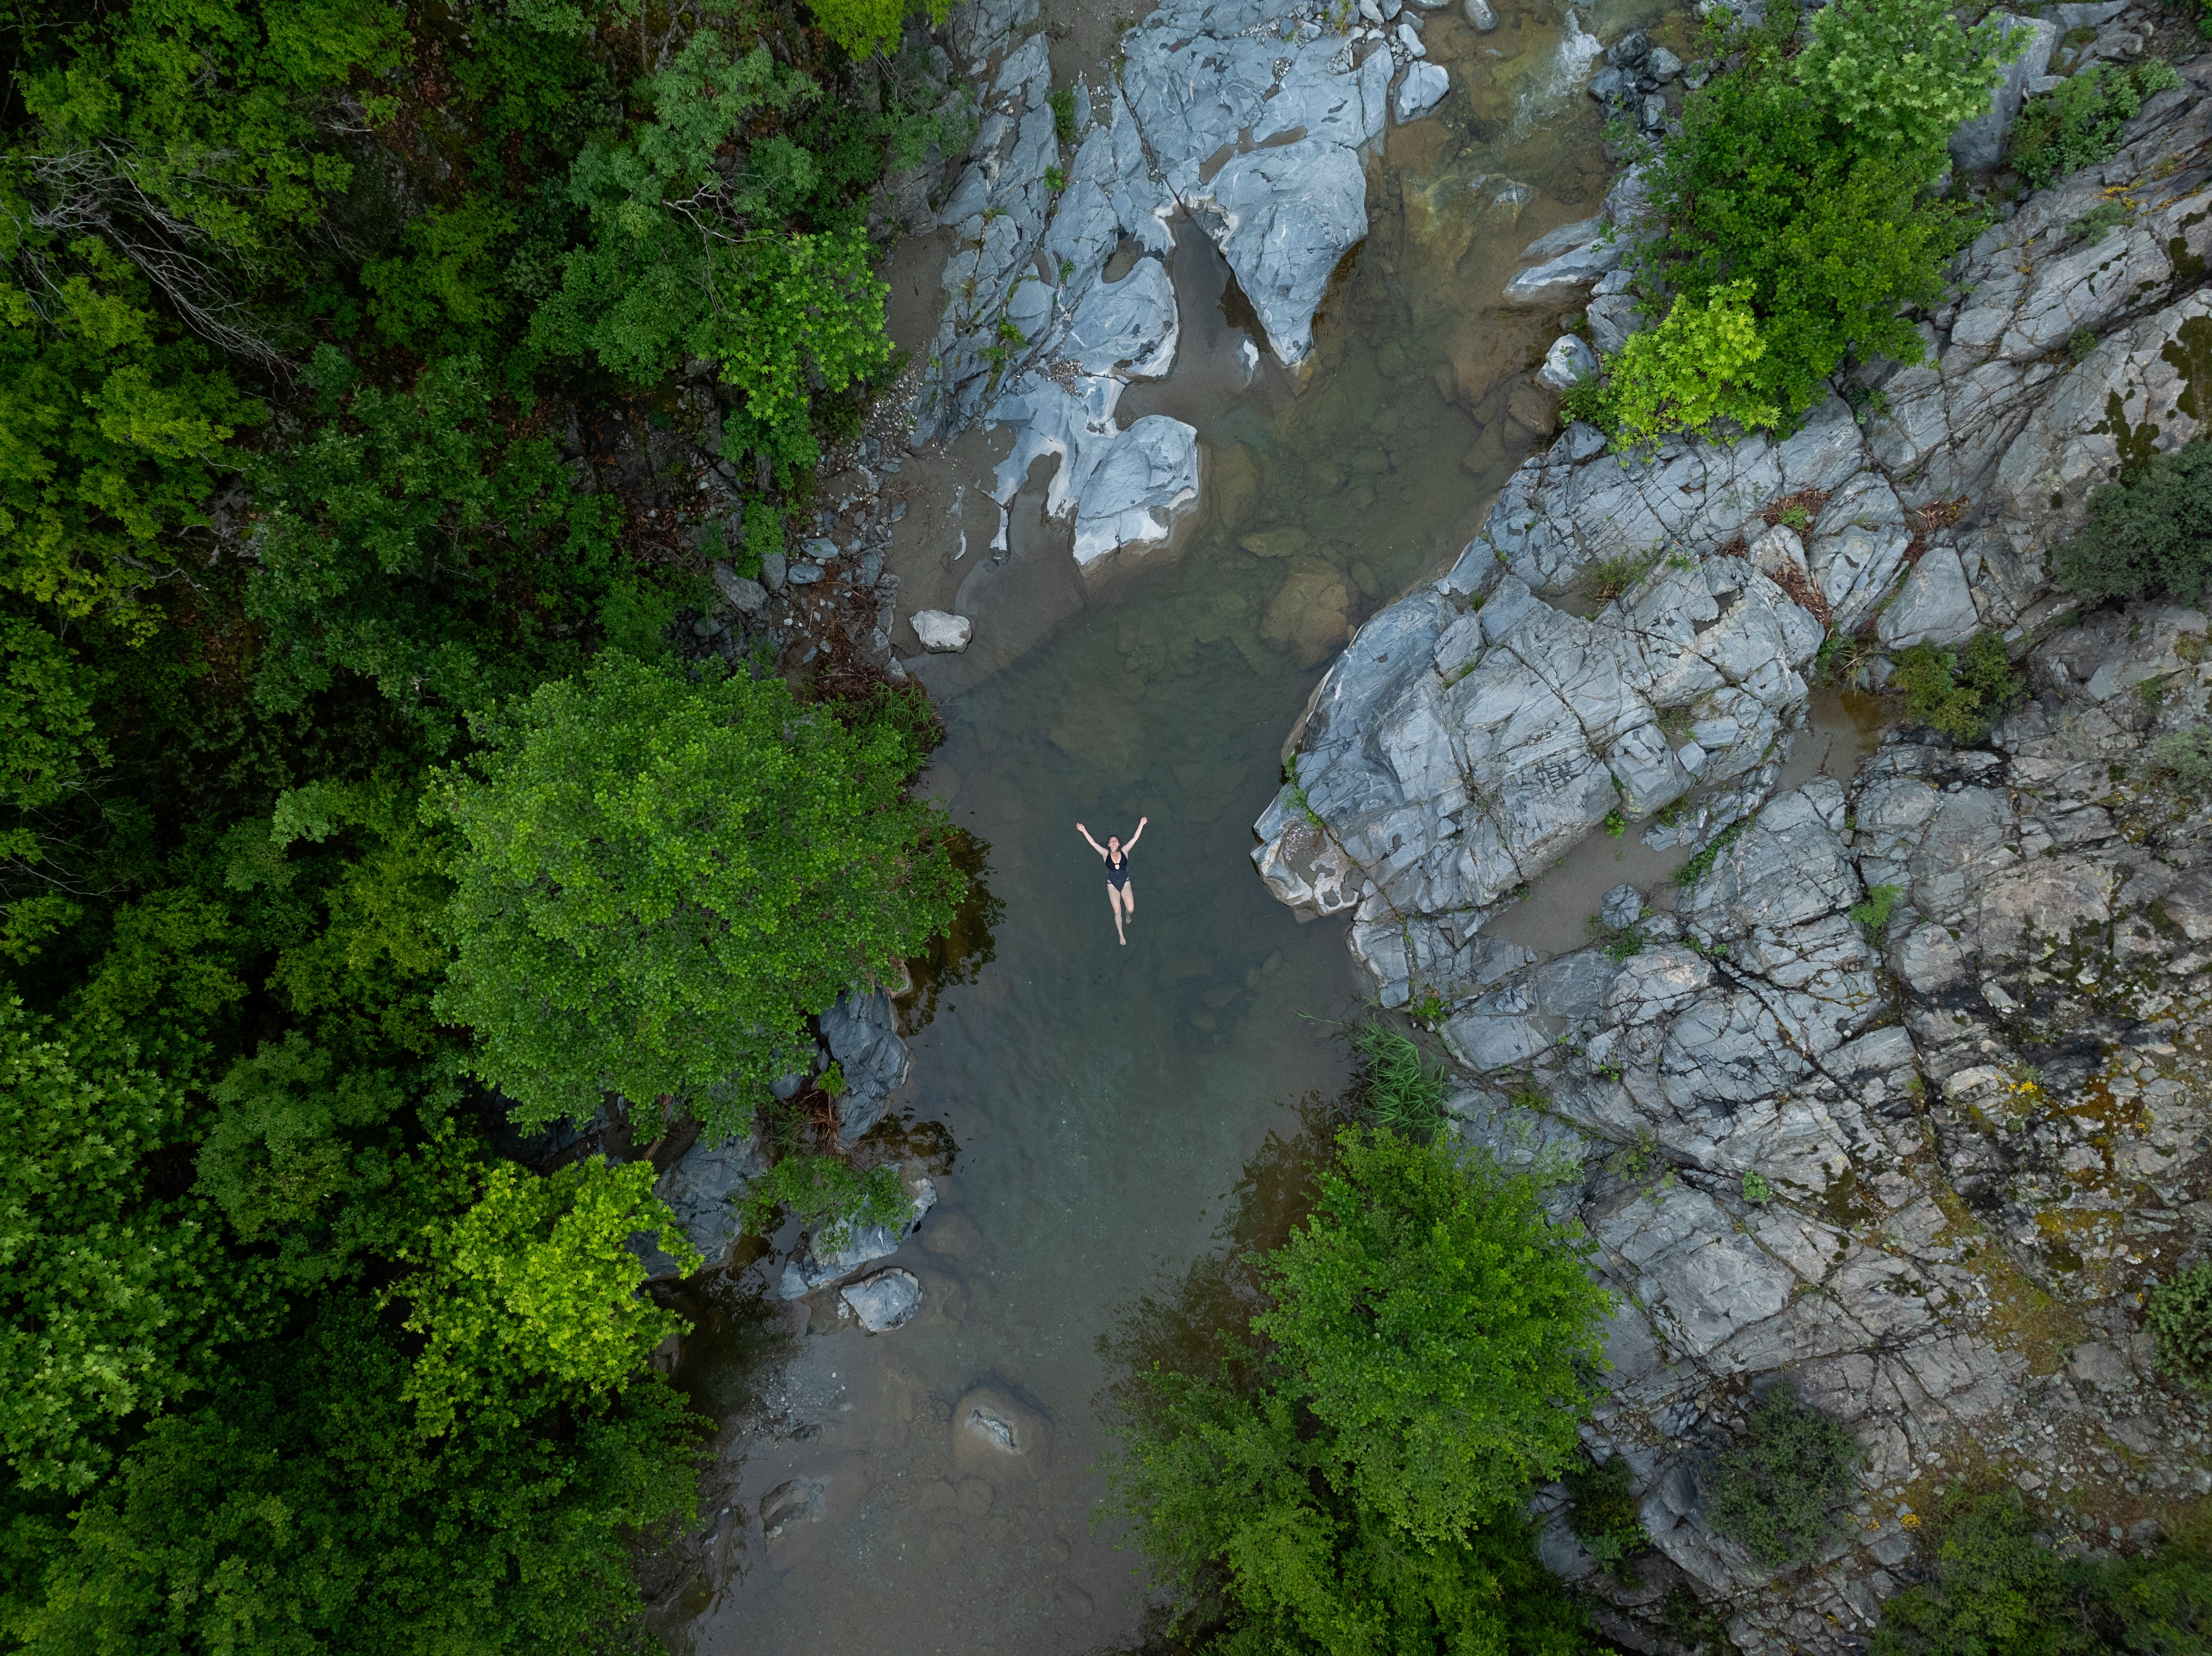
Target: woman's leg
{"x":1129,"y":901}
{"x":1114,"y":902}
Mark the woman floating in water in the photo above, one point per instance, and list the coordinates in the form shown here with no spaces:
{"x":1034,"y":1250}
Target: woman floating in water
{"x":1118,"y":895}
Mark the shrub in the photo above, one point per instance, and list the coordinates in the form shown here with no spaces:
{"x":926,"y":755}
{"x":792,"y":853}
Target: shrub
{"x":1401,"y":1092}
{"x":1756,"y":1190}
{"x":1998,"y":1591}
{"x":1603,"y":1513}
{"x":1348,"y":1480}
{"x":1765,"y":196}
{"x":827,"y":1194}
{"x":2080,"y":123}
{"x":1691,"y":370}
{"x":2179,"y":1317}
{"x":1062,"y":99}
{"x":2149,"y":538}
{"x":1898,"y":76}
{"x":2099,"y":221}
{"x":2185,"y":756}
{"x":1994,"y":1587}
{"x":1777,"y":1489}
{"x":1959,"y":695}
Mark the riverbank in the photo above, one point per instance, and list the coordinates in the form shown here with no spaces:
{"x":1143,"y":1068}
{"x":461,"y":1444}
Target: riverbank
{"x":1898,"y":1097}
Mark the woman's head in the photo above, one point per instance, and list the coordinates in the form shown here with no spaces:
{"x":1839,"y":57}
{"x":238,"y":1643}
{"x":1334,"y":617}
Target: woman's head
{"x":1113,"y":842}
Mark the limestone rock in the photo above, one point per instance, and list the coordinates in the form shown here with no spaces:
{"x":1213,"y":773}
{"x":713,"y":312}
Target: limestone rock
{"x":861,"y":1031}
{"x":1421,"y":91}
{"x":746,"y":597}
{"x":1147,"y":481}
{"x":884,"y":1302}
{"x":1568,"y":362}
{"x":942,"y":633}
{"x":1979,"y":144}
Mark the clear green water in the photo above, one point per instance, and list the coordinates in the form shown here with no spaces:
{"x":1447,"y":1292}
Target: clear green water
{"x":1107,"y":1102}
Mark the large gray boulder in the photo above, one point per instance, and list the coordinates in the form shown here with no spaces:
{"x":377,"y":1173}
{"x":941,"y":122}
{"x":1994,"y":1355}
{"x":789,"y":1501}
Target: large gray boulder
{"x":1284,"y":217}
{"x":702,"y":1190}
{"x":1147,"y":481}
{"x":861,"y":1031}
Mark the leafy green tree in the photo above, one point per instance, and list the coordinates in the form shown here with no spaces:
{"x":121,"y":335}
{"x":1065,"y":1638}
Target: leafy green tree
{"x":1898,"y":76}
{"x":412,"y":542}
{"x":532,"y":1295}
{"x":677,"y":262}
{"x":49,"y":750}
{"x":1691,"y":370}
{"x":663,"y":876}
{"x":1351,"y":1484}
{"x":117,"y":1298}
{"x":301,"y":1511}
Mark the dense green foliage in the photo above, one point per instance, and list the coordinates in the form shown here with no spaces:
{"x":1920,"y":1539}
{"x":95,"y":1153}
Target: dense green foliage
{"x":2148,"y":535}
{"x":1399,"y":1090}
{"x":1792,"y":223}
{"x":663,"y":873}
{"x":1998,"y":1591}
{"x":1349,"y":1480}
{"x":2078,"y":122}
{"x":1780,"y":1487}
{"x":2179,"y":1319}
{"x":1959,"y":693}
{"x":1693,"y":369}
{"x":339,"y":462}
{"x":828,"y":1195}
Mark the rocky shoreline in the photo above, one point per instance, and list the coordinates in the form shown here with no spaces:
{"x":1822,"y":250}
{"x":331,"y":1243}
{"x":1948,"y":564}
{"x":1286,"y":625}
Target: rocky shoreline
{"x":1948,"y":1010}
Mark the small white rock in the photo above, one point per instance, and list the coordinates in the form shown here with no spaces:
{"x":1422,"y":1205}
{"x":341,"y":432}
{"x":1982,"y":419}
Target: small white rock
{"x":1568,"y":361}
{"x":1479,"y":14}
{"x":1410,"y":39}
{"x":942,"y":633}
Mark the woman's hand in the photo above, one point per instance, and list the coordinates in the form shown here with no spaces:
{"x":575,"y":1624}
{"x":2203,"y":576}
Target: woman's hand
{"x":1079,"y":828}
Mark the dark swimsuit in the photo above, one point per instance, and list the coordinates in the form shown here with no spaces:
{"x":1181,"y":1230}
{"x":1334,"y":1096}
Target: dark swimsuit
{"x":1117,"y":874}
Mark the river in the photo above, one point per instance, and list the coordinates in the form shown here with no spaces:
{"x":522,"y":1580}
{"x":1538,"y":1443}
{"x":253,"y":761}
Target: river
{"x":1099,"y":1111}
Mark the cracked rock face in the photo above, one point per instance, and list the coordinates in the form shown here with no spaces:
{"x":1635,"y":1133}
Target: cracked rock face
{"x":1034,"y":337}
{"x":1950,"y":1011}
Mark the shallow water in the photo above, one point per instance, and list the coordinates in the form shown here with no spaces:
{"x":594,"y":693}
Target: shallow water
{"x":1105,"y":1100}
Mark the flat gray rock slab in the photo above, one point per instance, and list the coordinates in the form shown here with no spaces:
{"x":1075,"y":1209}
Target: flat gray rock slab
{"x":884,"y":1302}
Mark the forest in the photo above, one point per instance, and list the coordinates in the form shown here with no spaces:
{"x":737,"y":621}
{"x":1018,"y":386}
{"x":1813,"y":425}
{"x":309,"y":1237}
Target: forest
{"x":371,"y":810}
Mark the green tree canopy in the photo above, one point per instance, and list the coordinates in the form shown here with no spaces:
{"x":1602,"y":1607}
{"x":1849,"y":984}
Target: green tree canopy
{"x":1428,"y":1351}
{"x":665,"y":874}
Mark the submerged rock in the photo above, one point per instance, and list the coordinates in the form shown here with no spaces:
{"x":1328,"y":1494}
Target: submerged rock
{"x":1421,"y":91}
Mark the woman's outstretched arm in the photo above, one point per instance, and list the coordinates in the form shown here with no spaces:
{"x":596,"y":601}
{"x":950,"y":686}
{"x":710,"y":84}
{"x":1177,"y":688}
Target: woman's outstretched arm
{"x":1138,"y":835}
{"x":1085,"y":832}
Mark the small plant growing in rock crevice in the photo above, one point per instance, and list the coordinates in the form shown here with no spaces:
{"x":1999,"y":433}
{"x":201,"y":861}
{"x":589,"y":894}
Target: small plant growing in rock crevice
{"x":1756,"y":1190}
{"x":1777,"y":1489}
{"x":2179,"y":1317}
{"x":1873,"y":914}
{"x":1603,"y":1513}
